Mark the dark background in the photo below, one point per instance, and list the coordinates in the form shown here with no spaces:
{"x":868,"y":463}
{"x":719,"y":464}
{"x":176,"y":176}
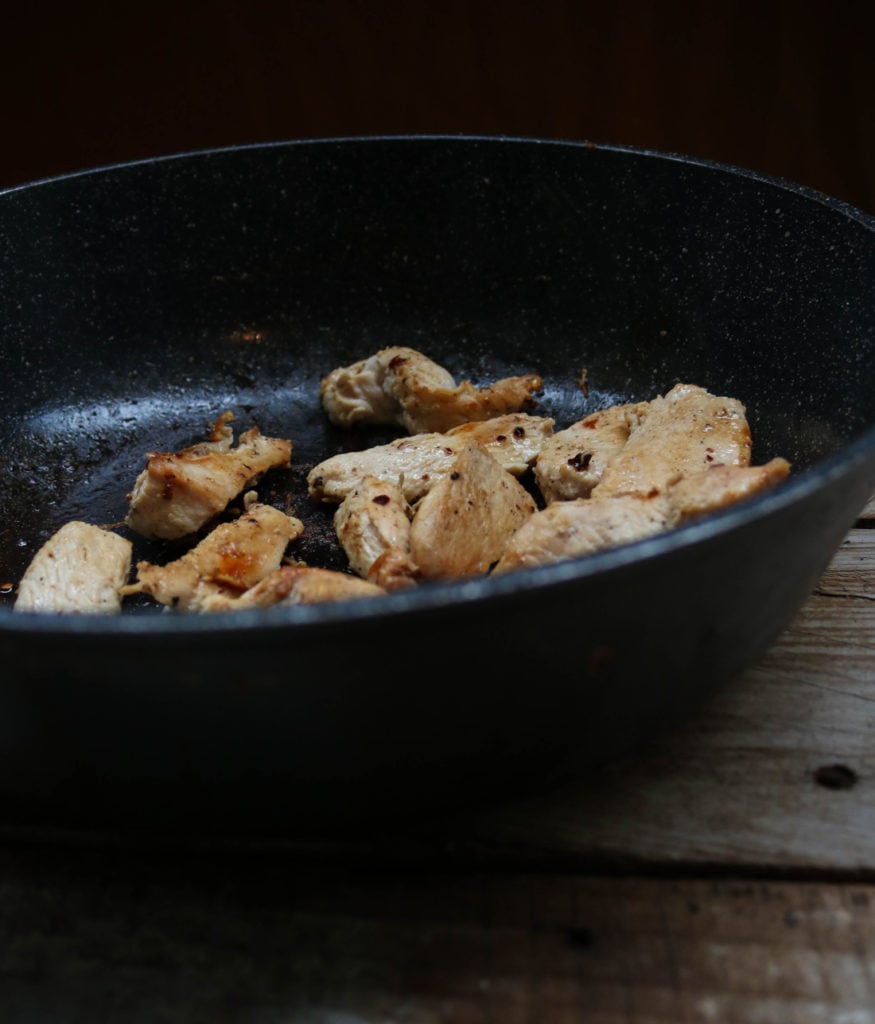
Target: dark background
{"x":786,"y":88}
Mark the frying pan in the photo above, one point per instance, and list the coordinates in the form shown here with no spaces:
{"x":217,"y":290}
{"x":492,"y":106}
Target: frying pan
{"x":139,"y":301}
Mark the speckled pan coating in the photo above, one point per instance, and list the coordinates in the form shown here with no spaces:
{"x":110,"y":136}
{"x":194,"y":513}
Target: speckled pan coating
{"x":139,"y":301}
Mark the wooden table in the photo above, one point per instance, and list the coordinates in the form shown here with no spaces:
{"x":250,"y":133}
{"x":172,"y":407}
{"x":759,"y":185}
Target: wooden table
{"x":726,"y":873}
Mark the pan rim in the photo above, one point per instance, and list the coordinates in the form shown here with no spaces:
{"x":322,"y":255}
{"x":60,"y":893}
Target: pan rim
{"x":585,"y":144}
{"x":482,"y":590}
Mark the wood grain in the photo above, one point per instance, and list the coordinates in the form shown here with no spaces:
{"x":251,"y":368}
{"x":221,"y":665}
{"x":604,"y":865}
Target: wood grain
{"x":777,"y":773}
{"x":723,"y":875}
{"x":98,"y":938}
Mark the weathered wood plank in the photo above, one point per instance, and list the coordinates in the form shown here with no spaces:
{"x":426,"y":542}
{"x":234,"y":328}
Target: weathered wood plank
{"x":195,"y":941}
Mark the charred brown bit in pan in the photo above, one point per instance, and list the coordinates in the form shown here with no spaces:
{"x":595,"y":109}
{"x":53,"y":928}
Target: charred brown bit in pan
{"x":82,"y":568}
{"x":178,"y":493}
{"x":401,"y":386}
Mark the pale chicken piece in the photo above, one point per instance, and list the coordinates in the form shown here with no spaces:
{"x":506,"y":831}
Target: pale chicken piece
{"x":417,"y":462}
{"x":686,"y":430}
{"x":583,"y":526}
{"x":81,"y":569}
{"x":570,"y":529}
{"x":231,"y":558}
{"x":373,"y":526}
{"x":464,"y":523}
{"x":178,"y":493}
{"x":413,"y":463}
{"x":721,"y":486}
{"x":516,"y":439}
{"x":298,"y":584}
{"x":573,"y":460}
{"x":400,"y":386}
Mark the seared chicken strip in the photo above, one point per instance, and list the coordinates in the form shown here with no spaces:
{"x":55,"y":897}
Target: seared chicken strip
{"x":572,"y":461}
{"x":298,"y":584}
{"x":685,"y":430}
{"x":228,"y":561}
{"x":582,"y":526}
{"x":416,"y":463}
{"x":721,"y":486}
{"x":178,"y":493}
{"x":464,"y":523}
{"x":373,"y":527}
{"x":515,"y":439}
{"x":401,"y":386}
{"x":81,"y":569}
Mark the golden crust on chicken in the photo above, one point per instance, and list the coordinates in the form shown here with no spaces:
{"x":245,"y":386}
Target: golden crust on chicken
{"x":180,"y":492}
{"x":231,"y":558}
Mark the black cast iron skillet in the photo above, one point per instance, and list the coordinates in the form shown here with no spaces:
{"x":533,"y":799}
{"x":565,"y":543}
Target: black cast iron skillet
{"x":139,"y":301}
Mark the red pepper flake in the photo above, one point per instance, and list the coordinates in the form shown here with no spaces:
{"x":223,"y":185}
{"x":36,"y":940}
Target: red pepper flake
{"x":580,"y":461}
{"x":381,"y":499}
{"x":591,"y":422}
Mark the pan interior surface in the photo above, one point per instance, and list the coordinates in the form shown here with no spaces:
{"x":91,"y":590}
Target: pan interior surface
{"x":138,"y":302}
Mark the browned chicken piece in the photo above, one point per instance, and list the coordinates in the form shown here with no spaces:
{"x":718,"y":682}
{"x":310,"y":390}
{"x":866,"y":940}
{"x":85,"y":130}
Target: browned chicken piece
{"x":178,"y":493}
{"x":582,"y":526}
{"x":299,"y":584}
{"x":417,"y":462}
{"x":413,"y":463}
{"x":572,"y":461}
{"x":569,"y":529}
{"x":721,"y":486}
{"x":686,"y":430}
{"x":401,"y":386}
{"x":373,"y":527}
{"x":464,"y":523}
{"x":228,"y":561}
{"x":80,"y":569}
{"x":515,"y":439}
